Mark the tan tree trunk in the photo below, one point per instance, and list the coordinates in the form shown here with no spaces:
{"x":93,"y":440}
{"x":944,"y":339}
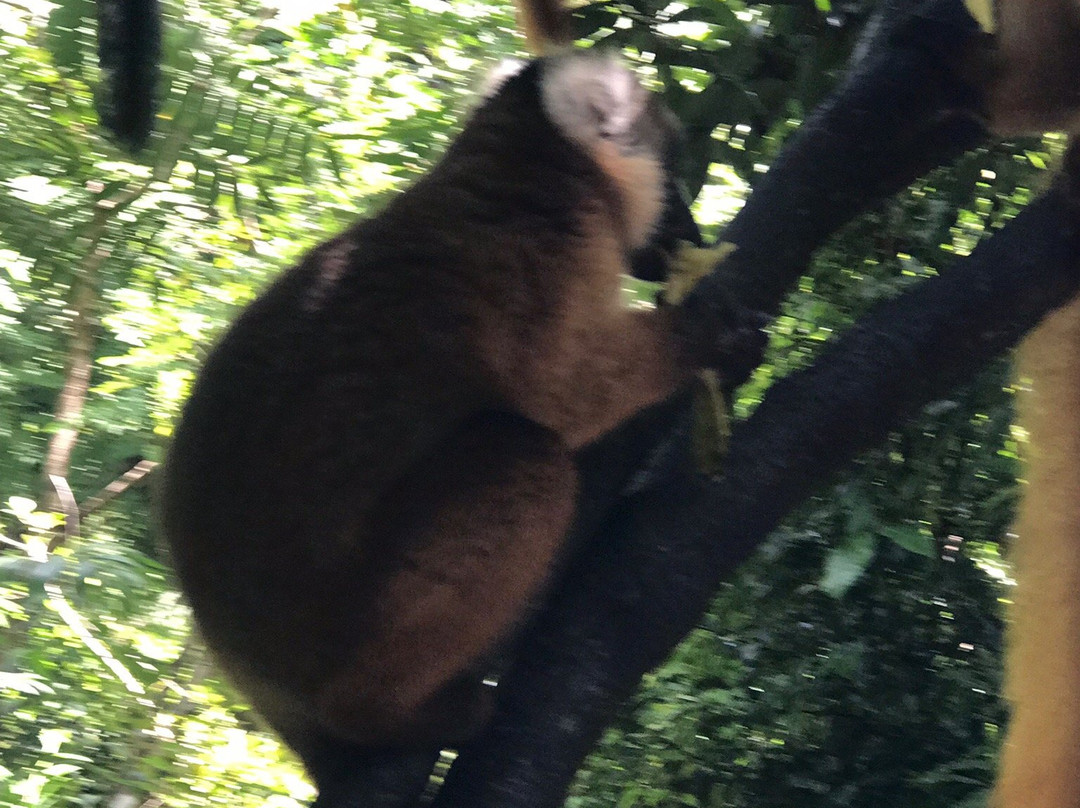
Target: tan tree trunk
{"x":1040,"y":762}
{"x":77,"y":373}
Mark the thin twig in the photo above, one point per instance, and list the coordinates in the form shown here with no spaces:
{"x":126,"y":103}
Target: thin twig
{"x":81,"y":628}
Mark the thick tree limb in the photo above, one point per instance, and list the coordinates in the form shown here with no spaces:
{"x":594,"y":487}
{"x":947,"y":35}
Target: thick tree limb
{"x":900,"y":112}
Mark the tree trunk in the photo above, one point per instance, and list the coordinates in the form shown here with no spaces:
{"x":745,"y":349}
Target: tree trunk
{"x":77,"y":372}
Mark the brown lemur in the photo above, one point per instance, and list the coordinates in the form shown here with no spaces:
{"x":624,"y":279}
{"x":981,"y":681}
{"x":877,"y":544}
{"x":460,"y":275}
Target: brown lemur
{"x":374,"y":473}
{"x":1029,"y":71}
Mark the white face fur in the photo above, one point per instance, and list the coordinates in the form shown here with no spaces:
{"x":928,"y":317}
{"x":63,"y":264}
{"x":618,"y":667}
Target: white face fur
{"x":593,"y":97}
{"x":598,"y":103}
{"x":588,"y":95}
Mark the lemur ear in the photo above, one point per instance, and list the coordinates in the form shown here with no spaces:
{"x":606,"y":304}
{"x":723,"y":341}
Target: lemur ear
{"x":499,"y":75}
{"x":593,"y":97}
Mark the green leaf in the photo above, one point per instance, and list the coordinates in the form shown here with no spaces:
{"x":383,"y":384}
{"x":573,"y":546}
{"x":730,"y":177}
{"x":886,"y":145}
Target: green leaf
{"x":844,"y":565}
{"x":911,"y":538}
{"x":60,"y":769}
{"x":593,"y":17}
{"x":61,"y":38}
{"x":27,"y":570}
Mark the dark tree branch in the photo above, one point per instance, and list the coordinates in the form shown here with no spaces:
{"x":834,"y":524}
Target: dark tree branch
{"x":662,"y":540}
{"x":900,"y":112}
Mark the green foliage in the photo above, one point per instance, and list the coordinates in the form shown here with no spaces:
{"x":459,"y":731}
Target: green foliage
{"x":855,"y":662}
{"x":787,"y":696}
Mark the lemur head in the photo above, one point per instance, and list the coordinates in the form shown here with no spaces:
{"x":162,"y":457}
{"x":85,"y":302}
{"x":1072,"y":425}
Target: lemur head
{"x":598,"y":103}
{"x":591,"y":103}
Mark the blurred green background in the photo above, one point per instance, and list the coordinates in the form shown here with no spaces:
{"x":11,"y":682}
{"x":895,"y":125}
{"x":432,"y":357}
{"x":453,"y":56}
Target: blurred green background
{"x":854,"y":662}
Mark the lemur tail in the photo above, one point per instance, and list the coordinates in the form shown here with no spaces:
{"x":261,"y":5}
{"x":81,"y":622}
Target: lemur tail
{"x":129,"y":50}
{"x":548,"y":25}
